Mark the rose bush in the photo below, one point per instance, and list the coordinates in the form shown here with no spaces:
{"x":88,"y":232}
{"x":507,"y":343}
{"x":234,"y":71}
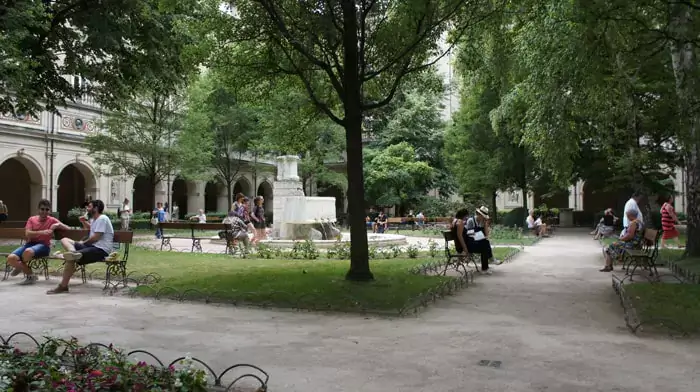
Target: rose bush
{"x":65,"y":365}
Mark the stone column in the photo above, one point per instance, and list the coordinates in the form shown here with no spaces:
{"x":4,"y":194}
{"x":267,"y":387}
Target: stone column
{"x":222,"y":202}
{"x":287,"y":185}
{"x":195,"y":197}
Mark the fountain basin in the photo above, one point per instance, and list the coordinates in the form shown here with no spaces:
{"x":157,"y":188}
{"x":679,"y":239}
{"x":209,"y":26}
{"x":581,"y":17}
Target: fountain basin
{"x":376,"y":240}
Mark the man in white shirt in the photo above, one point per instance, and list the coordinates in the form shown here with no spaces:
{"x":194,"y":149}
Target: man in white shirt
{"x":632,"y":205}
{"x":125,"y":215}
{"x":95,"y":248}
{"x":201,"y":218}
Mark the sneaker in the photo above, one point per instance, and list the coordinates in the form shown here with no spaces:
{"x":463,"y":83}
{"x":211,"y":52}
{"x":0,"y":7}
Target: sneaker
{"x":497,"y":262}
{"x":31,"y":279}
{"x":15,"y":272}
{"x":487,"y":272}
{"x":72,"y":256}
{"x":58,"y":290}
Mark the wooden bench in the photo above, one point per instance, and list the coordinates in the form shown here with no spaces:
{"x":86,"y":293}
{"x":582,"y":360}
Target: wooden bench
{"x":193,"y":228}
{"x":645,"y":256}
{"x":14,"y":224}
{"x":115,"y":266}
{"x":455,"y":260}
{"x":8,"y":233}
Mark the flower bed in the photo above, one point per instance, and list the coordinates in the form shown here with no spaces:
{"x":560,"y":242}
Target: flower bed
{"x":65,"y":365}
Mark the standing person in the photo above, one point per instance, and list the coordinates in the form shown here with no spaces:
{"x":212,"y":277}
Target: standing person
{"x":458,"y":228}
{"x":96,"y":248}
{"x":669,"y":220}
{"x":176,"y":212}
{"x":237,"y":206}
{"x":478,"y":229}
{"x":125,"y":215}
{"x":258,"y":217}
{"x":39,"y":232}
{"x":632,"y":205}
{"x":3,"y":211}
{"x":420,"y":218}
{"x":158,"y":218}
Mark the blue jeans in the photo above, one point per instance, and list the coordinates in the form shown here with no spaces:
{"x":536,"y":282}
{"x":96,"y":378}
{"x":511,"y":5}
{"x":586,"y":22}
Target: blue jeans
{"x":40,"y":250}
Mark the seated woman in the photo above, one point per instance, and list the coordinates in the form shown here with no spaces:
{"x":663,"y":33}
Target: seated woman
{"x":630,"y":240}
{"x":478,"y":228}
{"x":536,"y":225}
{"x":457,"y":227}
{"x":606,"y":225}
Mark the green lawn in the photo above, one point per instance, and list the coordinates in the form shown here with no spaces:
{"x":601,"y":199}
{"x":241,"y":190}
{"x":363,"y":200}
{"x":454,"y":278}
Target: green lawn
{"x":661,"y":303}
{"x":310,"y":284}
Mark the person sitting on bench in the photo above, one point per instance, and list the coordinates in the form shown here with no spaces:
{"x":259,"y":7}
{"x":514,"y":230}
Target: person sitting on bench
{"x":630,"y":238}
{"x":606,"y":225}
{"x":94,"y":249}
{"x":382,"y":222}
{"x":478,"y":229}
{"x":39,"y":231}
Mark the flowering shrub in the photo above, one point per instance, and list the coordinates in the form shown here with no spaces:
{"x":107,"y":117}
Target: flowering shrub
{"x":60,"y":365}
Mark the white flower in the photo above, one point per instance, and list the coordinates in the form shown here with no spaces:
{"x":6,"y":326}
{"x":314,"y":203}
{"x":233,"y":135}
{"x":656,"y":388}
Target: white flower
{"x":178,"y":383}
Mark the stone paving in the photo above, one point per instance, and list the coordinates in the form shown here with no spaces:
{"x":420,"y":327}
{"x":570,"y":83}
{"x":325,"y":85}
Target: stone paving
{"x":550,"y":318}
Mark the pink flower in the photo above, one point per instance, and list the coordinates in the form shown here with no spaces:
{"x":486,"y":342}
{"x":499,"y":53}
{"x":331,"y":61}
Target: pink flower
{"x":96,"y":373}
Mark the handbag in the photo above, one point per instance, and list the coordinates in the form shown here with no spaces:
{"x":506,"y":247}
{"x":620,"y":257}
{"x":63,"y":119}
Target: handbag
{"x":154,"y":221}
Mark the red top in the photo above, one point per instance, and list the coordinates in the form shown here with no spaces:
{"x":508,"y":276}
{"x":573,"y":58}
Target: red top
{"x":667,"y":221}
{"x":35,"y":223}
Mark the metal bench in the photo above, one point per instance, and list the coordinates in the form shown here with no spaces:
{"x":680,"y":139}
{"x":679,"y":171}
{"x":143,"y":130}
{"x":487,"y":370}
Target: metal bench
{"x":8,"y":233}
{"x":644,"y":257}
{"x":115,"y":266}
{"x":455,"y":260}
{"x":192,"y":228}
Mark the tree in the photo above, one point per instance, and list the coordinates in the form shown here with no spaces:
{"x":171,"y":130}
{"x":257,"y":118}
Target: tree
{"x":139,"y":139}
{"x":395,"y":176}
{"x":220,"y":128}
{"x":416,"y":119}
{"x":112,"y":46}
{"x":483,"y":147}
{"x":362,"y":49}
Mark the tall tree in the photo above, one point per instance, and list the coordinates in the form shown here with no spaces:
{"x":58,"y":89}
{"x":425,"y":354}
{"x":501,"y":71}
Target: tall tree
{"x":393,"y":175}
{"x":363,"y":50}
{"x":112,"y":44}
{"x":140,"y":139}
{"x":220,"y":127}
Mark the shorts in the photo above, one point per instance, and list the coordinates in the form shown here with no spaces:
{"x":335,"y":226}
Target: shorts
{"x":259,"y":225}
{"x":40,"y":250}
{"x":90,"y":254}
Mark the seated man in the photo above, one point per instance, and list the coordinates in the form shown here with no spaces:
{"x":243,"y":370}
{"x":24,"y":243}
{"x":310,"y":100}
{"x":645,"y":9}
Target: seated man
{"x":536,"y":225}
{"x":96,"y":248}
{"x":238,"y":231}
{"x":39,"y":231}
{"x":382,"y":222}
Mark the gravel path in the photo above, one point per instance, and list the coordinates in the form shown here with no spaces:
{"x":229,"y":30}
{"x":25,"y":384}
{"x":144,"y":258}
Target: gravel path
{"x":550,"y":317}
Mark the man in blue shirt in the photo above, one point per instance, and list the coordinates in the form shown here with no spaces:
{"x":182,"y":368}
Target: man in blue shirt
{"x":159,"y":214}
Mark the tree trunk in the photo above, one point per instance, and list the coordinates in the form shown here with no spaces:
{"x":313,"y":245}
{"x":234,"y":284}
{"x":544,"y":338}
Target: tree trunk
{"x":685,"y":69}
{"x":352,"y":103}
{"x":229,"y":193}
{"x":495,"y":208}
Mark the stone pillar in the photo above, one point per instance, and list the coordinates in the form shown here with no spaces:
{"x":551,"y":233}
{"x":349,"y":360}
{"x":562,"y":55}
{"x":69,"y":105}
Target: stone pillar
{"x":35,"y":194}
{"x":195,"y":197}
{"x":285,"y":186}
{"x":222,"y":202}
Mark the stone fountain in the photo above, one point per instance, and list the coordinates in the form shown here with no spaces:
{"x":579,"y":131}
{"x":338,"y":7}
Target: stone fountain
{"x":296,"y":216}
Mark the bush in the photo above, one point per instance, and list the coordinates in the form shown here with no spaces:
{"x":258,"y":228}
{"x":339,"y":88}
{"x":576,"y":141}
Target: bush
{"x":515,"y":217}
{"x":60,"y":365}
{"x":682,"y":216}
{"x":437,"y":207}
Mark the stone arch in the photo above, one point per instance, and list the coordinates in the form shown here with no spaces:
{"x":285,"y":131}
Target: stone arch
{"x":243,"y":186}
{"x":77,"y":184}
{"x":143,"y":194}
{"x":180,"y":192}
{"x":212,"y":194}
{"x":23,"y":179}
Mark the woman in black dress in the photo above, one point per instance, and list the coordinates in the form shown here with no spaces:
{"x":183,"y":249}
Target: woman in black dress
{"x":258,"y":217}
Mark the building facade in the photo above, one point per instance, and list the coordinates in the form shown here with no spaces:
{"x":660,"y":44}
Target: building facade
{"x":44,"y":157}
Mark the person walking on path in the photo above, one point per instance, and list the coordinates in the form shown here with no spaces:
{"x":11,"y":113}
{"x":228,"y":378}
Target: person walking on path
{"x":125,"y":214}
{"x":669,"y":220}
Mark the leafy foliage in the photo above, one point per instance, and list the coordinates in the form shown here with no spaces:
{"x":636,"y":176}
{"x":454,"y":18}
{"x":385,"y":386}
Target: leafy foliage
{"x":140,"y":138}
{"x":112,"y":45}
{"x":395,"y":176}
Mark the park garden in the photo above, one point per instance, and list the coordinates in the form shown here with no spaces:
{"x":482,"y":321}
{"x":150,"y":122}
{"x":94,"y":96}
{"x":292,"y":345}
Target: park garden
{"x":538,"y":96}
